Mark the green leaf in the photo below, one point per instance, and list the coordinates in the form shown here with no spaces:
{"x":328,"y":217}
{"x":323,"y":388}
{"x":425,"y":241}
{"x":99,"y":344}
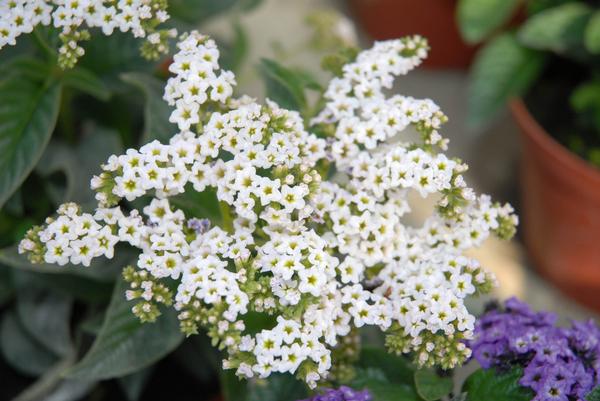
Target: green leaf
{"x":198,"y":204}
{"x":69,"y":390}
{"x":133,"y":384}
{"x":87,"y":82}
{"x":585,"y":100}
{"x":277,"y":387}
{"x":391,"y":392}
{"x":396,"y":369}
{"x":502,"y":69}
{"x":486,"y":385}
{"x":234,"y":54}
{"x":100,"y":269}
{"x":430,"y":386}
{"x":78,"y":163}
{"x":28,"y":113}
{"x":21,"y":350}
{"x":197,"y":11}
{"x":594,"y":395}
{"x":124,"y":344}
{"x":592,"y":34}
{"x":559,"y":29}
{"x":283,"y":85}
{"x":46,"y":316}
{"x":25,"y":66}
{"x":6,"y":287}
{"x":477,"y":19}
{"x":156,"y":110}
{"x":109,"y":56}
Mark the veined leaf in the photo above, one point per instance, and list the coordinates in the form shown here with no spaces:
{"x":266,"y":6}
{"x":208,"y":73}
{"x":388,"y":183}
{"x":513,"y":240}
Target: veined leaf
{"x":477,"y":19}
{"x":124,"y":344}
{"x":21,"y":350}
{"x":87,"y":82}
{"x":594,"y":395}
{"x":276,"y":387}
{"x":28,"y":112}
{"x":156,"y":110}
{"x":487,"y":384}
{"x":283,"y":85}
{"x":559,"y":29}
{"x":78,"y":163}
{"x":502,"y":69}
{"x":430,"y":386}
{"x":46,"y":316}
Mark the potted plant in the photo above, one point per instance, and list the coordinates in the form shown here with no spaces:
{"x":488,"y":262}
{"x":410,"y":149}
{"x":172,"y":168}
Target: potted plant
{"x":434,"y":19}
{"x":547,"y":68}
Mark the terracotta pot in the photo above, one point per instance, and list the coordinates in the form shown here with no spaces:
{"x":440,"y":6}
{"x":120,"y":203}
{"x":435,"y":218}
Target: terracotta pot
{"x":433,"y":19}
{"x":560,"y":211}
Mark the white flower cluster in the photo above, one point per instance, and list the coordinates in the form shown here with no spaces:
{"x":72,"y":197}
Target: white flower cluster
{"x":196,"y":66}
{"x":140,"y":17}
{"x":74,"y":238}
{"x":312,"y":260}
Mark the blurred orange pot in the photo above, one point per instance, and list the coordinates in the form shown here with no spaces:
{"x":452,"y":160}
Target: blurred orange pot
{"x":433,"y":19}
{"x":560,"y":210}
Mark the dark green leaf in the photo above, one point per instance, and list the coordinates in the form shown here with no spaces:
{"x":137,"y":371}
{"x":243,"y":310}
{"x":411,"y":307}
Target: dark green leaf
{"x":21,"y":350}
{"x":396,"y":369}
{"x":25,"y":66}
{"x":100,"y":269}
{"x":124,"y":344}
{"x":52,"y":387}
{"x":233,"y":55}
{"x":78,"y":163}
{"x":6,"y":287}
{"x":87,"y":82}
{"x":592,"y":34}
{"x":69,"y":390}
{"x":197,"y":11}
{"x":486,"y":385}
{"x":477,"y":19}
{"x":133,"y":384}
{"x":391,"y":391}
{"x":283,"y":85}
{"x":585,"y":100}
{"x":156,"y":110}
{"x":109,"y":56}
{"x":277,"y":387}
{"x":198,"y":204}
{"x":558,"y":29}
{"x":502,"y":69}
{"x":46,"y":316}
{"x":199,"y":358}
{"x":430,"y":386}
{"x":88,"y":289}
{"x":28,"y":112}
{"x":594,"y":395}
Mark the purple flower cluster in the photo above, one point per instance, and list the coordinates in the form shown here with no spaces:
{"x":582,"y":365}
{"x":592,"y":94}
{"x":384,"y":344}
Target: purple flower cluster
{"x":560,"y":364}
{"x":342,"y":394}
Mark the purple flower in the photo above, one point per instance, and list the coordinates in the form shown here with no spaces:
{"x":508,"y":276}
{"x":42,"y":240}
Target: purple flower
{"x":560,"y":364}
{"x":199,"y":225}
{"x":342,"y":394}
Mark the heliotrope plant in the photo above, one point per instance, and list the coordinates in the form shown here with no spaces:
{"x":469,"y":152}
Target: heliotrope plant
{"x":311,"y":234}
{"x":74,"y":18}
{"x":559,"y":363}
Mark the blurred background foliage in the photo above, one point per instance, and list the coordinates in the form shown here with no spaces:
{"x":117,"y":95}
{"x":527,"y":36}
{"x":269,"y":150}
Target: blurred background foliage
{"x":547,"y":51}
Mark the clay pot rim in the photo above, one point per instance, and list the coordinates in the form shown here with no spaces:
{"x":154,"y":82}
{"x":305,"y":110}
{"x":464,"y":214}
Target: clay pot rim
{"x":538,"y":134}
